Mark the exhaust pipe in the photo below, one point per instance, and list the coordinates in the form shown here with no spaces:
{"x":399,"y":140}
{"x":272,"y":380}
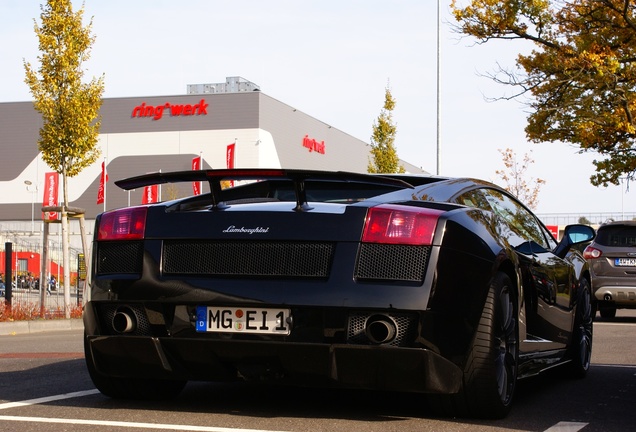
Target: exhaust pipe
{"x":607,"y":297}
{"x":125,"y":320}
{"x":380,"y":329}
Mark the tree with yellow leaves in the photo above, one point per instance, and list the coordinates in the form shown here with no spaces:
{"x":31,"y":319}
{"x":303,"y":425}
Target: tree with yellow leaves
{"x":383,"y":153}
{"x":69,"y":107}
{"x":580,"y":76}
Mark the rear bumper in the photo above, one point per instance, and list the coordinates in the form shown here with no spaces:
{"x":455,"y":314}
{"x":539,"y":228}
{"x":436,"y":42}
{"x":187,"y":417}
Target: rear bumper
{"x":616,"y":294}
{"x":306,"y":364}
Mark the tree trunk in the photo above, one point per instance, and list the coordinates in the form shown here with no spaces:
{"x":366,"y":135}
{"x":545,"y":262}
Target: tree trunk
{"x":65,"y":250}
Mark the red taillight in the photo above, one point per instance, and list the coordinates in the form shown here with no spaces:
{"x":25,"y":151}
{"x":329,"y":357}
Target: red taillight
{"x":591,"y":253}
{"x":397,"y":224}
{"x":123,"y":224}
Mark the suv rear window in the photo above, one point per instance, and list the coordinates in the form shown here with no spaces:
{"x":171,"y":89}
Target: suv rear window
{"x":617,"y":235}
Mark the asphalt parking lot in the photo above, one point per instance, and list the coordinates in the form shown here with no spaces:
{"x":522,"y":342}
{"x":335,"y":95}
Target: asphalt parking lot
{"x":44,"y":386}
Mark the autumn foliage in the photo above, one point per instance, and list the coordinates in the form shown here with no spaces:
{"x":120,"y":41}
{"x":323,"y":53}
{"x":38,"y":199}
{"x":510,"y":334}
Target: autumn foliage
{"x":32,"y":311}
{"x":69,"y":106}
{"x":580,"y":77}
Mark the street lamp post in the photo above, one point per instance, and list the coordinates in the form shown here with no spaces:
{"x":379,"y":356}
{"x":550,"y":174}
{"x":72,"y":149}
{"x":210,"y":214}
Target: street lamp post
{"x":28,"y":184}
{"x":33,"y":189}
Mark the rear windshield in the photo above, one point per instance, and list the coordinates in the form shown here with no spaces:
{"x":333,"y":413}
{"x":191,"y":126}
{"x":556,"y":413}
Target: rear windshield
{"x":346,"y":192}
{"x":618,"y":235}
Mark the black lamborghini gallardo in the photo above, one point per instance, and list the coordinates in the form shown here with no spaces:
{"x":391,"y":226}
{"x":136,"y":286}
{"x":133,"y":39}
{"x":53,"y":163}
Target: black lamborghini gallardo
{"x":444,"y":286}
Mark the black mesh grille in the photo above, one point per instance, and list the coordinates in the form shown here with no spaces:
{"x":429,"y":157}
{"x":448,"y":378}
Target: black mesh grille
{"x":247,"y":258}
{"x":406,"y":326}
{"x":392,"y":262}
{"x":119,"y":257}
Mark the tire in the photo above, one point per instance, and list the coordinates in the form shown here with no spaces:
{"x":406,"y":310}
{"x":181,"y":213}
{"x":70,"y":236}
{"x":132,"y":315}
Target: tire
{"x":490,"y":373}
{"x":607,"y":311}
{"x":131,"y":388}
{"x":581,"y":345}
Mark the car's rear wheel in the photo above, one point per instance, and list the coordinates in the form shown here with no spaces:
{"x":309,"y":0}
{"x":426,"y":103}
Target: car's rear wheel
{"x":490,"y":374}
{"x":131,"y":388}
{"x":581,"y":345}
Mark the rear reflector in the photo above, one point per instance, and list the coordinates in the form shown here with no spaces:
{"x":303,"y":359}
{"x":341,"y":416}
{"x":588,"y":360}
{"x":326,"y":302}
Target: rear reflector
{"x":123,"y":224}
{"x":591,"y":253}
{"x":398,"y":224}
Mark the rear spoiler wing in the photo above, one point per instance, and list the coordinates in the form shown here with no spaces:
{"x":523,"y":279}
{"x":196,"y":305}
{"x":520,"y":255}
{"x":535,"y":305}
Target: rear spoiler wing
{"x":298,"y":177}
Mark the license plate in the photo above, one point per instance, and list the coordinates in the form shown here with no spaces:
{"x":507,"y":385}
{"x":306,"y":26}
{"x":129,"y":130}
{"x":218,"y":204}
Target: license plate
{"x":242,"y":320}
{"x":625,"y":262}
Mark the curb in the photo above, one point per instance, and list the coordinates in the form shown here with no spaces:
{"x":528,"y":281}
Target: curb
{"x":38,"y":326}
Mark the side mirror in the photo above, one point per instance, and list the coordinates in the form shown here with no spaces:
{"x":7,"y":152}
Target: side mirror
{"x":573,"y":235}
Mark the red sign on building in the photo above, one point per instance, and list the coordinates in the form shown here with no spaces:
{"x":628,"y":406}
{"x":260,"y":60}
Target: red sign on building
{"x":156,"y":112}
{"x":313,"y":145}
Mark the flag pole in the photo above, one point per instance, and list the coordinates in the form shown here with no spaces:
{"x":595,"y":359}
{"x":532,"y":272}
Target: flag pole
{"x":200,"y":168}
{"x":104,"y":176}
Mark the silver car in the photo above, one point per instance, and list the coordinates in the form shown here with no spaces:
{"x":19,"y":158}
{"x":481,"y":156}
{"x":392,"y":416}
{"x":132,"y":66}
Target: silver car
{"x":612,"y":258}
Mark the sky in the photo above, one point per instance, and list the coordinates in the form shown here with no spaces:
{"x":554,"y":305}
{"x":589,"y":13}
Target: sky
{"x":333,"y":60}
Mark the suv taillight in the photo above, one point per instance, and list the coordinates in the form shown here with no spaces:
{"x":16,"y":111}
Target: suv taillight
{"x":591,"y":253}
{"x":398,"y":224}
{"x":123,"y":224}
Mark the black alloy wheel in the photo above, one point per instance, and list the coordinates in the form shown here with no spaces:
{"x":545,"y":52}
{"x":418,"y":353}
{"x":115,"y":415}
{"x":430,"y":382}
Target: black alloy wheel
{"x":490,"y":372}
{"x":490,"y":375}
{"x":582,"y":332}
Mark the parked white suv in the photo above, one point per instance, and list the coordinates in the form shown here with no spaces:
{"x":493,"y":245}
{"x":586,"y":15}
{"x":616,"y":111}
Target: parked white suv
{"x":612,"y":258}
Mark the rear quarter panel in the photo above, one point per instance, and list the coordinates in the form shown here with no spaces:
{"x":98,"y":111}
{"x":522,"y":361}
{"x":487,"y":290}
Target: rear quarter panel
{"x":468,"y":257}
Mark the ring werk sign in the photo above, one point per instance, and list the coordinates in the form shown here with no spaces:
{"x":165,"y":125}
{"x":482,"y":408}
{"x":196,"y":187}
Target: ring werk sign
{"x":313,"y":145}
{"x":156,"y":112}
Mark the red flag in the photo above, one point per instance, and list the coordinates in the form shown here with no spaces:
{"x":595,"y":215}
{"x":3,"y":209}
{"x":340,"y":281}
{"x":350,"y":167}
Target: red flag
{"x":102,"y":181}
{"x":150,"y":194}
{"x":229,"y":159}
{"x":196,"y":165}
{"x":51,"y":186}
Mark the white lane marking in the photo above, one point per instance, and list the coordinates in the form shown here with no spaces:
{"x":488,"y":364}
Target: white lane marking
{"x":567,"y":427}
{"x":614,"y":366}
{"x":559,"y":427}
{"x":613,"y":323}
{"x":48,"y":399}
{"x":128,"y":424}
{"x":104,"y":422}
